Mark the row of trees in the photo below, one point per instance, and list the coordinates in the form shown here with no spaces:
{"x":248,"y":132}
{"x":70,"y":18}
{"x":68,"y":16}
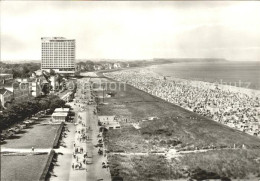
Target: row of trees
{"x":19,"y":110}
{"x":22,"y":70}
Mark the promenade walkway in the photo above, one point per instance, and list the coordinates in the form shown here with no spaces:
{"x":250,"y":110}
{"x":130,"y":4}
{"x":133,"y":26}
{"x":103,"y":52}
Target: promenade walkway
{"x":25,"y":150}
{"x":79,"y":147}
{"x":95,"y":170}
{"x":61,"y":170}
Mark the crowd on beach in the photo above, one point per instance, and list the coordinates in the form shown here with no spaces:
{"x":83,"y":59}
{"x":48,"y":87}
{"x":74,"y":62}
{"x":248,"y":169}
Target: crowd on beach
{"x":232,"y":106}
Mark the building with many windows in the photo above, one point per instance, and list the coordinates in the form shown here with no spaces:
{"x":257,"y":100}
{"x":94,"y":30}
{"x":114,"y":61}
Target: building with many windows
{"x":58,"y":54}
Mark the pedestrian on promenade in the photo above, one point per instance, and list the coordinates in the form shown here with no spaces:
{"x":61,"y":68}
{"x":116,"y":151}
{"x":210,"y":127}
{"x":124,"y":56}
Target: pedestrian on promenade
{"x":73,"y":166}
{"x":32,"y":149}
{"x":80,"y":165}
{"x":85,"y":155}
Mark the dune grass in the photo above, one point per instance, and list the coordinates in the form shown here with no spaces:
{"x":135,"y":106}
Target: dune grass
{"x":235,"y":164}
{"x":224,"y":164}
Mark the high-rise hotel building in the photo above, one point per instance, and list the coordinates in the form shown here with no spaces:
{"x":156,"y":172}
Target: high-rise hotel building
{"x":58,"y":53}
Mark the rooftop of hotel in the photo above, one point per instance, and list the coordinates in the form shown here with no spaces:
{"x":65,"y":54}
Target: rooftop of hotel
{"x":56,"y":39}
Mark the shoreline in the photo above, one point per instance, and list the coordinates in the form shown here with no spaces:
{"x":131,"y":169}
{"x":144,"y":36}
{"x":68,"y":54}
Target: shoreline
{"x":196,"y":83}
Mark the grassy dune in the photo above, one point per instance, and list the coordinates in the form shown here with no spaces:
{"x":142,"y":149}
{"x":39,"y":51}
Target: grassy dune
{"x":180,"y":129}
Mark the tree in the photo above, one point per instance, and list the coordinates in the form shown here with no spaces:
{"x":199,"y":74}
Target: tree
{"x":52,"y":72}
{"x":97,"y":100}
{"x":44,"y":104}
{"x":45,"y":89}
{"x":59,"y":79}
{"x":56,"y":102}
{"x":19,"y":110}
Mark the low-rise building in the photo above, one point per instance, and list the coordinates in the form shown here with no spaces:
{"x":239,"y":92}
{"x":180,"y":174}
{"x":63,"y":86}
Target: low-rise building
{"x":36,"y":87}
{"x":106,"y":119}
{"x":38,"y":72}
{"x":60,"y":114}
{"x":4,"y":77}
{"x":97,"y":67}
{"x":6,"y":97}
{"x":109,"y":122}
{"x":116,"y":65}
{"x":21,"y":89}
{"x":59,"y":117}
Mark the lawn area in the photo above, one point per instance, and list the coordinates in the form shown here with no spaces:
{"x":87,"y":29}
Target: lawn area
{"x":37,"y":136}
{"x":22,"y":168}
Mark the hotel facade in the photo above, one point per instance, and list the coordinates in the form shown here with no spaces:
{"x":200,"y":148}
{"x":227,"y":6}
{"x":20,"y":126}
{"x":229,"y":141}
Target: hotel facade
{"x":58,"y":54}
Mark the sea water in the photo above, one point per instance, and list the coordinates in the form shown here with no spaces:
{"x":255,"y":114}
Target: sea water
{"x":239,"y":74}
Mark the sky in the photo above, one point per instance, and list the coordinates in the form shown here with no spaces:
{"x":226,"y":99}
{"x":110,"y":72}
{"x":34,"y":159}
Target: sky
{"x":133,"y":30}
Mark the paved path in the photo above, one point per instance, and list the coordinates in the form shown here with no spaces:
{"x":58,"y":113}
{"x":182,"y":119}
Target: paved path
{"x":79,"y":174}
{"x":95,"y":170}
{"x":61,"y":171}
{"x":25,"y":150}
